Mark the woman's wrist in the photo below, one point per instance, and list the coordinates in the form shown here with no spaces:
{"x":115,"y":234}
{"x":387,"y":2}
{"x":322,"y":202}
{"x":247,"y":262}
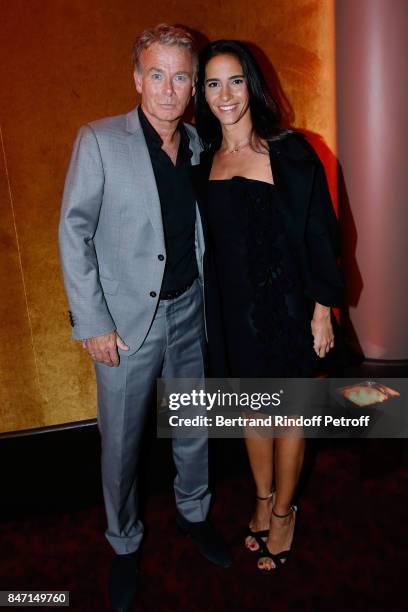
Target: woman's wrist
{"x":321,"y":312}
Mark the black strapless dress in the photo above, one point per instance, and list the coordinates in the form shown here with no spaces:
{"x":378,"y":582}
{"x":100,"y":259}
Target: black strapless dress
{"x":264,"y":313}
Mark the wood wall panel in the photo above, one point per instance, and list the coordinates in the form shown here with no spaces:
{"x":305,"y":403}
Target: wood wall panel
{"x":19,"y":383}
{"x":68,"y":62}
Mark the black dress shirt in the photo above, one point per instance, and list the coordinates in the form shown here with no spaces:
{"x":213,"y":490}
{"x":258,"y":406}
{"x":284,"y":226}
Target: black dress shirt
{"x":177,"y":200}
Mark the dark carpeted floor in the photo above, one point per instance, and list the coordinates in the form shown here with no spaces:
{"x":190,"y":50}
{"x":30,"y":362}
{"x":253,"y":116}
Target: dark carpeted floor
{"x":349,"y":554}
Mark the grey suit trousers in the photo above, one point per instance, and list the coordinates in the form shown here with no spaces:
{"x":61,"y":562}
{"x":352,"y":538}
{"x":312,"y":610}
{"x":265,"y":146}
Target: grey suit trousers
{"x":173,"y":348}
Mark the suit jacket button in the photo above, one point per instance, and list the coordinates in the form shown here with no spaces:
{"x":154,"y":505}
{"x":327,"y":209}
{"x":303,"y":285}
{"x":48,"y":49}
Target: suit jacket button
{"x":153,"y":294}
{"x":161,"y":257}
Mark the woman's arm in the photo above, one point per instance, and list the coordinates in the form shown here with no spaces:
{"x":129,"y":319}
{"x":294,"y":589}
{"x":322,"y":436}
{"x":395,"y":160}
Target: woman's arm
{"x":322,"y":246}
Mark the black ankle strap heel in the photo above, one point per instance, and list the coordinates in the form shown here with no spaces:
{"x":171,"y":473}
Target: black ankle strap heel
{"x":260,"y":536}
{"x":279,"y":559}
{"x":267,"y":497}
{"x":292,"y":507}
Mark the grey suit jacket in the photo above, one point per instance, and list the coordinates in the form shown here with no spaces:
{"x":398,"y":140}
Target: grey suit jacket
{"x":111,"y":231}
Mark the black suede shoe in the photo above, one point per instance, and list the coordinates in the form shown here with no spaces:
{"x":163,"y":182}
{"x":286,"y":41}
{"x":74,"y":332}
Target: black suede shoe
{"x":208,"y":542}
{"x":123,"y":581}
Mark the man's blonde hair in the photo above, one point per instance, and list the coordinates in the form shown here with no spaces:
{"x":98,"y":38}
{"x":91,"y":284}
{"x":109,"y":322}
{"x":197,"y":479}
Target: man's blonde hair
{"x":164,"y":34}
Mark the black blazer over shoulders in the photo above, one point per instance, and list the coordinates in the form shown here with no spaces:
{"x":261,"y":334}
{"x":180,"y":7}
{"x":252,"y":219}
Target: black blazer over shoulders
{"x":307,"y":210}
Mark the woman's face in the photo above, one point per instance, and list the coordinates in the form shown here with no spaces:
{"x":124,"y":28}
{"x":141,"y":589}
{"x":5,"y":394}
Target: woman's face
{"x":226,"y":90}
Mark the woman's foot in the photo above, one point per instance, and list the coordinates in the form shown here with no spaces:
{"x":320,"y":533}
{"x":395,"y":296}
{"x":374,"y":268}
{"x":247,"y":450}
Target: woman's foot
{"x":282,"y":526}
{"x":260,"y":520}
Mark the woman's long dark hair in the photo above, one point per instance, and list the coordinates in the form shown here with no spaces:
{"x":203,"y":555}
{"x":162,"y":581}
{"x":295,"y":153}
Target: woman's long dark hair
{"x":265,"y":113}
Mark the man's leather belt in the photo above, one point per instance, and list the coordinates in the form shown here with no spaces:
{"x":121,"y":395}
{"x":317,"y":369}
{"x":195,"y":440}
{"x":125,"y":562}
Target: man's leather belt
{"x":170,"y":295}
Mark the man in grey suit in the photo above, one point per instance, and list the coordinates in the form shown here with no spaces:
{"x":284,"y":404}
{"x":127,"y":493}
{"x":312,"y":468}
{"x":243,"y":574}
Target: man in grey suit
{"x":131,"y":246}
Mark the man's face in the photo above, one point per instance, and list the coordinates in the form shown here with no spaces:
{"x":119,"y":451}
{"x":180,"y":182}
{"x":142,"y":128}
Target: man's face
{"x":165,"y":80}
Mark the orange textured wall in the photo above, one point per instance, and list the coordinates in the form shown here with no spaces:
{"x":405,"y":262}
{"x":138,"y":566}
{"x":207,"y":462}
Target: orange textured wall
{"x":68,"y":62}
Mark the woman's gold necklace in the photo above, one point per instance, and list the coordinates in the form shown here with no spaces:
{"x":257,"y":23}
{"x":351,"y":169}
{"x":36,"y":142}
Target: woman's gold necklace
{"x":238,"y":148}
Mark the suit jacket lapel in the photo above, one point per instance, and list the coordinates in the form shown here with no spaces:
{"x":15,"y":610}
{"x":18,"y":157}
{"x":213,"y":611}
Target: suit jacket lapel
{"x":194,"y":145}
{"x":200,"y":177}
{"x":144,"y":174}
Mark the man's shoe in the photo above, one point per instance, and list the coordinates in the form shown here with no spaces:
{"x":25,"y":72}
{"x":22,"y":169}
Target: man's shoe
{"x":123,"y":581}
{"x":208,"y":542}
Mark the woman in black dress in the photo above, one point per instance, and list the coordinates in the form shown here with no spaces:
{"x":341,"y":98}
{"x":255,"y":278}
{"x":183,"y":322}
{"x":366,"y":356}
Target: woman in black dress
{"x":271,"y":273}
